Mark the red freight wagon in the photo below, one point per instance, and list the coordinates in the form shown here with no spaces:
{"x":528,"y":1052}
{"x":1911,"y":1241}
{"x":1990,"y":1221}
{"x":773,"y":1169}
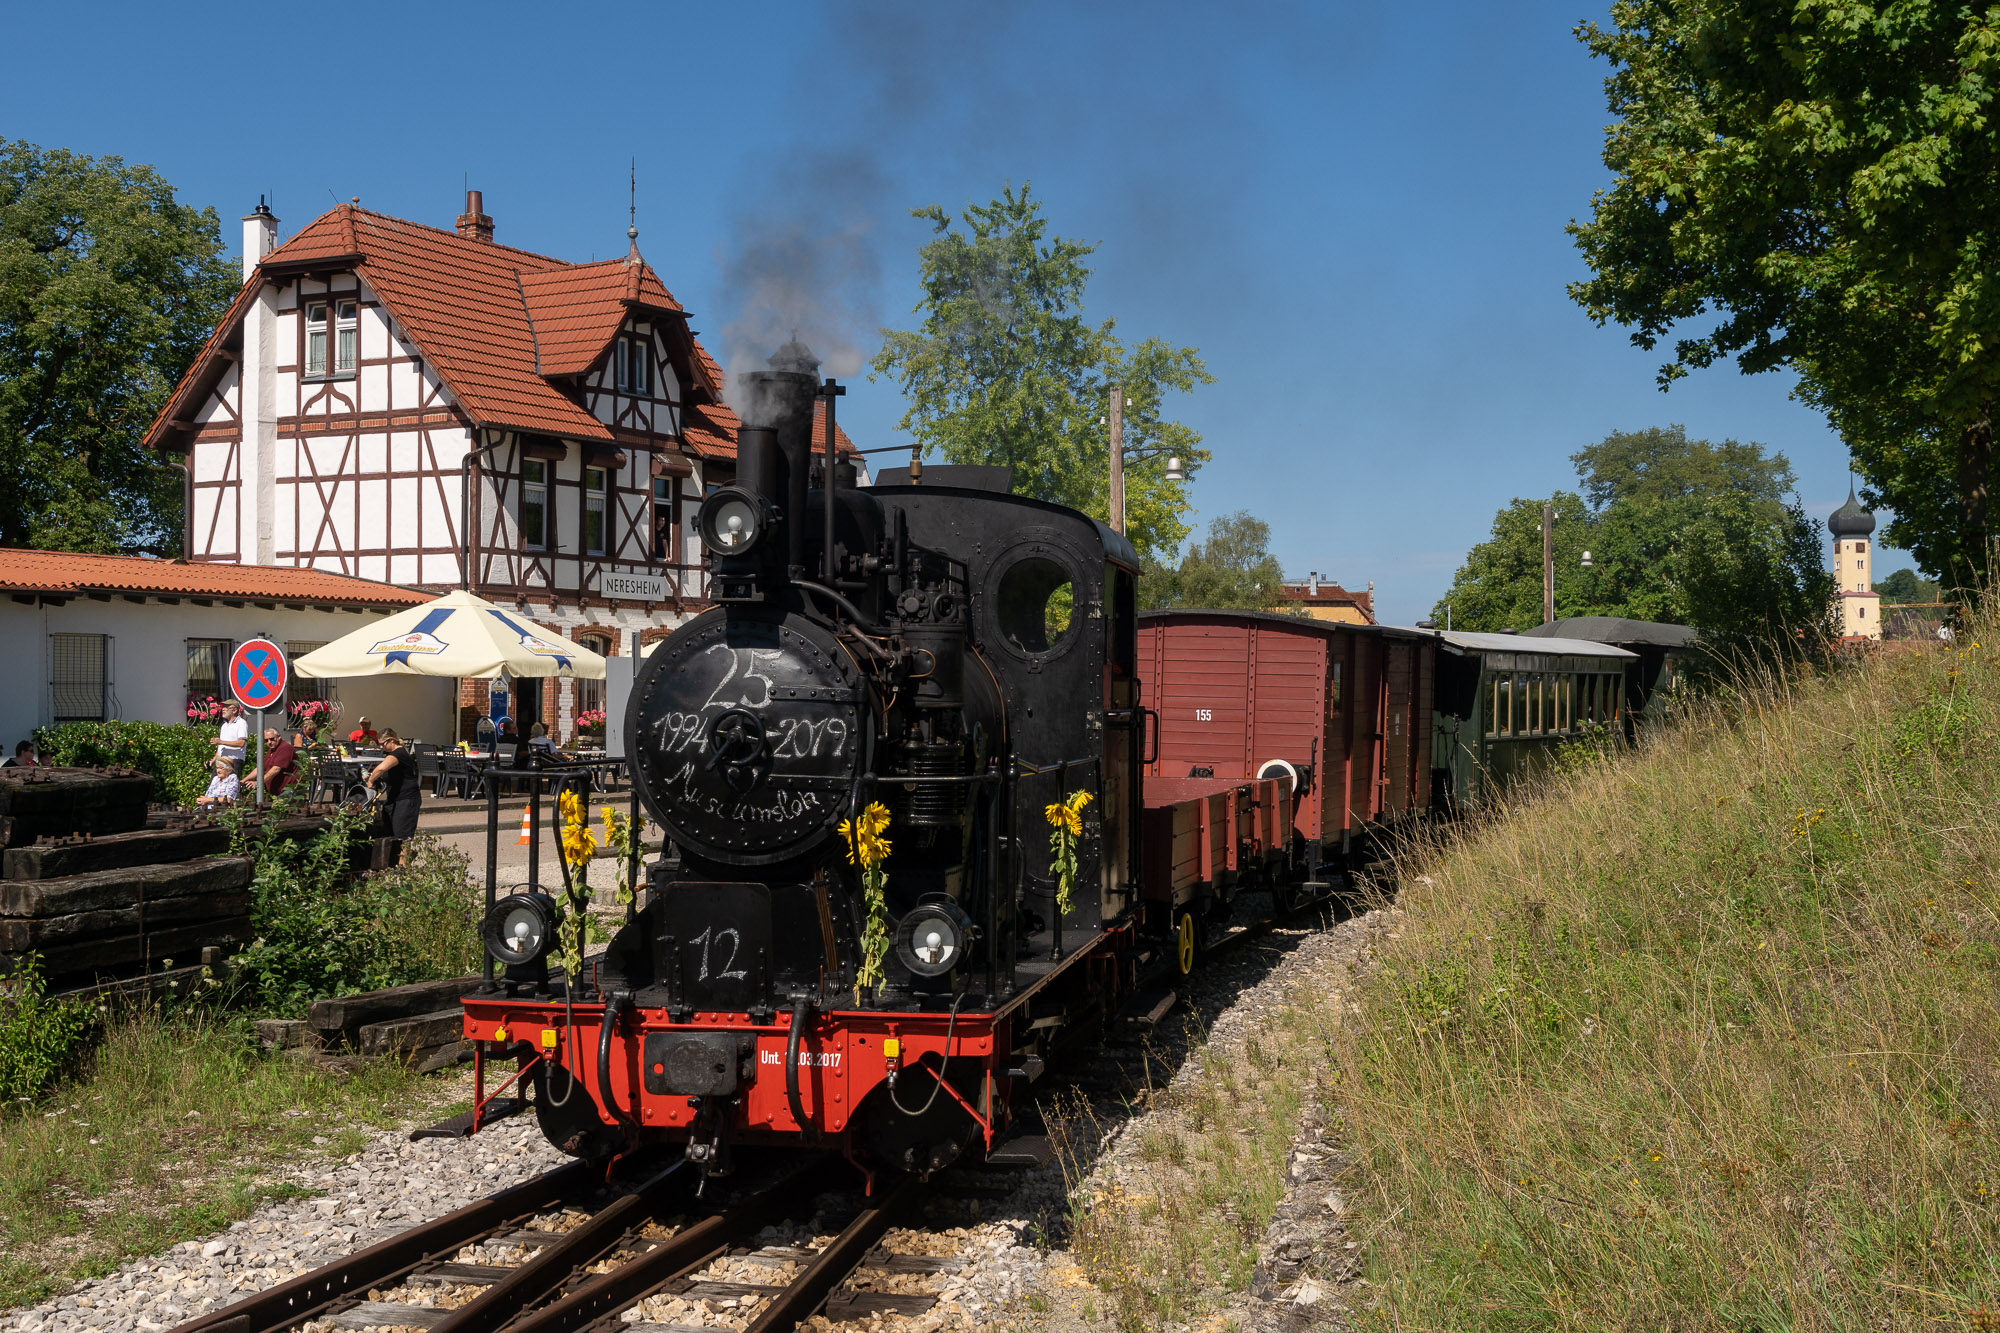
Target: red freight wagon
{"x":1239,"y":694}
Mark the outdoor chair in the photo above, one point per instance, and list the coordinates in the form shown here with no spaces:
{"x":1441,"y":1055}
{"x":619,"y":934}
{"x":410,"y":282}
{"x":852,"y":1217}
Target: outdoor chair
{"x":336,"y":777}
{"x":430,"y":765}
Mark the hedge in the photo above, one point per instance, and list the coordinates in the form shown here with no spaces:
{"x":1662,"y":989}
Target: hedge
{"x":176,"y":758}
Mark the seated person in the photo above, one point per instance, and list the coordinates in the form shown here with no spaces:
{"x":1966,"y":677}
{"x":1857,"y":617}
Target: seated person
{"x":24,"y":756}
{"x":363,"y":734}
{"x":281,"y":762}
{"x":539,"y":741}
{"x":507,"y":743}
{"x":224,"y":786}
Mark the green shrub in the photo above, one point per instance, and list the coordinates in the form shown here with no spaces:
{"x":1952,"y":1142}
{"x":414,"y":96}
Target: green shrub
{"x":322,"y":930}
{"x":40,"y":1039}
{"x":176,"y":758}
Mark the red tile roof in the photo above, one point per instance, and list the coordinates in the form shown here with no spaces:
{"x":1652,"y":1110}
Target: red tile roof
{"x":498,"y":324}
{"x":576,"y":312}
{"x":66,"y":574}
{"x":1329,"y":594}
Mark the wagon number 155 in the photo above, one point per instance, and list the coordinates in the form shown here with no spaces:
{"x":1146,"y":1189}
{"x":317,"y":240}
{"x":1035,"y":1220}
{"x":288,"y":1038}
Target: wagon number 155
{"x":1204,"y":715}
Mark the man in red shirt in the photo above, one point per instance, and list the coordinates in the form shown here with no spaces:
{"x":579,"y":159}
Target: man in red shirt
{"x":281,"y":762}
{"x":363,"y":734}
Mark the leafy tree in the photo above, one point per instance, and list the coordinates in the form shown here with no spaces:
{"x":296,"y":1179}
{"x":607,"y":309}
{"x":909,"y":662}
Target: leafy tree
{"x":1233,"y":570}
{"x":108,"y":286}
{"x":1005,"y":369}
{"x":1679,"y":530}
{"x":1812,"y":186}
{"x":1905,"y":586}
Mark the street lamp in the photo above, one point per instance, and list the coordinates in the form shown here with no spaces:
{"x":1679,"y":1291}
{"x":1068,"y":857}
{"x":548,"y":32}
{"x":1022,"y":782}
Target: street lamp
{"x":1587,"y":562}
{"x":1176,"y":471}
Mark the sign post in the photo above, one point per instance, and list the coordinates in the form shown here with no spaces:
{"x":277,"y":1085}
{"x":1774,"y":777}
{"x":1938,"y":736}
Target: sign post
{"x":257,"y":676}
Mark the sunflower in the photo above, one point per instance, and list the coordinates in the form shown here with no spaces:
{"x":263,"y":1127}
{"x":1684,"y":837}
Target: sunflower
{"x":863,"y":835}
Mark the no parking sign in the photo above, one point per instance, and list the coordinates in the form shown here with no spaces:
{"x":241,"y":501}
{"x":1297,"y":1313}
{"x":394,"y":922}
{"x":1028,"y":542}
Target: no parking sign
{"x":257,"y":674}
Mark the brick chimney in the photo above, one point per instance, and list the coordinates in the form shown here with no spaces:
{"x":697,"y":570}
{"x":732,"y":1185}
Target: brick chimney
{"x":474,"y":225}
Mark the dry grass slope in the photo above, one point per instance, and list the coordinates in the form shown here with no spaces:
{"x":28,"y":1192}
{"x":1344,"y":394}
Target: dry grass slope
{"x":1705,"y":1036}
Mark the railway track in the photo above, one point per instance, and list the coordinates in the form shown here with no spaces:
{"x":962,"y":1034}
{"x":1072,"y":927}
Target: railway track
{"x":553,"y":1255}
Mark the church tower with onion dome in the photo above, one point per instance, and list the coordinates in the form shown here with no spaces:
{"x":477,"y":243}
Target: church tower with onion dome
{"x":1859,"y":607}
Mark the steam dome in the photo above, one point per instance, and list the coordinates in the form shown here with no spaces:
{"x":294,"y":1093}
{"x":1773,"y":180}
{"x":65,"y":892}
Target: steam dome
{"x":1851,"y":519}
{"x":796,"y":357}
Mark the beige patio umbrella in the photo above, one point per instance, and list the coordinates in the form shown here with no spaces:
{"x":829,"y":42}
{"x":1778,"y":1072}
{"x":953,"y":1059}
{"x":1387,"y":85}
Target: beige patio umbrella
{"x":456,"y":635}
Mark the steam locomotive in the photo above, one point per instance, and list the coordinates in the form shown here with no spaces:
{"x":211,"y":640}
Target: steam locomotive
{"x":966,"y":662}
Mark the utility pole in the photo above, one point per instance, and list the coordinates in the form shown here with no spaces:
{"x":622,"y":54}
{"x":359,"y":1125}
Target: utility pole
{"x":1117,"y":420}
{"x":1548,"y":563}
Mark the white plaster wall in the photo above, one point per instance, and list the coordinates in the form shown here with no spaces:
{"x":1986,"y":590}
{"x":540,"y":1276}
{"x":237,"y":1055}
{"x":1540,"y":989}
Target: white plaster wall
{"x":149,"y":661}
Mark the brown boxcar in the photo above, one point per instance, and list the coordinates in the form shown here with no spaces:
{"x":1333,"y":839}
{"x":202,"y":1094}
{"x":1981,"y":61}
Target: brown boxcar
{"x":1346,"y":706}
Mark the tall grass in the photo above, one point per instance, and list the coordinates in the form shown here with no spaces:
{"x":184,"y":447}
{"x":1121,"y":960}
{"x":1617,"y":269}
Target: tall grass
{"x":1705,"y":1035}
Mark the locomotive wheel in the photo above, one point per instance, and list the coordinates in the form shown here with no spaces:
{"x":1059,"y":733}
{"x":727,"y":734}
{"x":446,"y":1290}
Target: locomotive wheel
{"x":1186,"y":938}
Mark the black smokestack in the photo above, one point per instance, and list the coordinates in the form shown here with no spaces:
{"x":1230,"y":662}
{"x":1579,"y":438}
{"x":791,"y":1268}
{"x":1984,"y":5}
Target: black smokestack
{"x":780,"y":400}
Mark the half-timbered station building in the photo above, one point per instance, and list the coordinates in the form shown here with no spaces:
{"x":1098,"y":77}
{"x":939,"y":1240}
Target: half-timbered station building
{"x":431,"y":408}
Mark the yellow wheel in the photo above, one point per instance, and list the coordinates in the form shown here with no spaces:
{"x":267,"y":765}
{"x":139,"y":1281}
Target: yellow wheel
{"x":1184,"y":943}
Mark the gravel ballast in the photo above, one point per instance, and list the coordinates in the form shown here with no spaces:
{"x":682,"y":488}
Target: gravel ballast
{"x":1004,"y":1230}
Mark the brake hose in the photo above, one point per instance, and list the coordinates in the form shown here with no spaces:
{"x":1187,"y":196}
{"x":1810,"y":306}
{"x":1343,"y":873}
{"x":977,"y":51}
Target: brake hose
{"x":801,"y":1014}
{"x":620,"y":1001}
{"x":944,"y":1064}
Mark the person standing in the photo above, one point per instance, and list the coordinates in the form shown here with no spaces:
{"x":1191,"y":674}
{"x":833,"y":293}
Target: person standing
{"x":402,"y":793}
{"x":235,"y":734}
{"x":281,"y":762}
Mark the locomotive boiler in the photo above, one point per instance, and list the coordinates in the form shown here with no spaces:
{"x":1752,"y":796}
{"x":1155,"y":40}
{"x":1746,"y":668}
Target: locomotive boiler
{"x":937,"y":649}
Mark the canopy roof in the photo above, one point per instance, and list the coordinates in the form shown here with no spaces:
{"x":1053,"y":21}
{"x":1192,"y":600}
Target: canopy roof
{"x":1618,"y":629}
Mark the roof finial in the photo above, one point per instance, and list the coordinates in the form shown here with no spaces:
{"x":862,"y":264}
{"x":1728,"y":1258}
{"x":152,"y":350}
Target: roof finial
{"x":632,"y":216}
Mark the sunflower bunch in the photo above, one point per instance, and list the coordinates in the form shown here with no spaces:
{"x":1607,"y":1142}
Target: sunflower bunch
{"x":621,"y":835}
{"x":1066,"y":819}
{"x":867,"y":848}
{"x":579,"y":845}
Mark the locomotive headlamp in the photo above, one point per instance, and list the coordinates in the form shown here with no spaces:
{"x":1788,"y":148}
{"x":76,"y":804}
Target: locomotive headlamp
{"x":730,"y":522}
{"x":932,"y":937}
{"x":519,"y":929}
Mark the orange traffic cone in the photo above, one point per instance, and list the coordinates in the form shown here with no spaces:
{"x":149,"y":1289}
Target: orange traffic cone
{"x":522,"y":841}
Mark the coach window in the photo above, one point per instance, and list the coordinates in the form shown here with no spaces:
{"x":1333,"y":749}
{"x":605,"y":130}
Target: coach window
{"x":533,"y":512}
{"x":593,"y":511}
{"x":1566,"y":703}
{"x":1549,"y":710}
{"x":1333,"y":692}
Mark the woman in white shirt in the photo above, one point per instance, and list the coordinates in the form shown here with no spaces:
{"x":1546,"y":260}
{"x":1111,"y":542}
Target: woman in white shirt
{"x":224,"y":786}
{"x":235,"y":733}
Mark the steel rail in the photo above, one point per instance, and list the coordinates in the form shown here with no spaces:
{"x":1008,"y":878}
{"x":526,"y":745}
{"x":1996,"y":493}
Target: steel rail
{"x":832,"y":1266}
{"x":687,"y":1251}
{"x":545,"y":1273}
{"x":303,"y":1297}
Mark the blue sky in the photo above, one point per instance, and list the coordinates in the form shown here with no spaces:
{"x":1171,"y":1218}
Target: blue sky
{"x":1355,"y":212}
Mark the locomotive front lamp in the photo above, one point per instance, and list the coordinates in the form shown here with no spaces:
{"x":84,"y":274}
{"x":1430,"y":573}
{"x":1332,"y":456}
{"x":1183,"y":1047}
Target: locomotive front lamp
{"x":931,"y":938}
{"x":519,"y":929}
{"x":730,"y":522}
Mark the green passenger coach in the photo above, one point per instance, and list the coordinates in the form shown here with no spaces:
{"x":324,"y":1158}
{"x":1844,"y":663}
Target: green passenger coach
{"x":1505,"y":701}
